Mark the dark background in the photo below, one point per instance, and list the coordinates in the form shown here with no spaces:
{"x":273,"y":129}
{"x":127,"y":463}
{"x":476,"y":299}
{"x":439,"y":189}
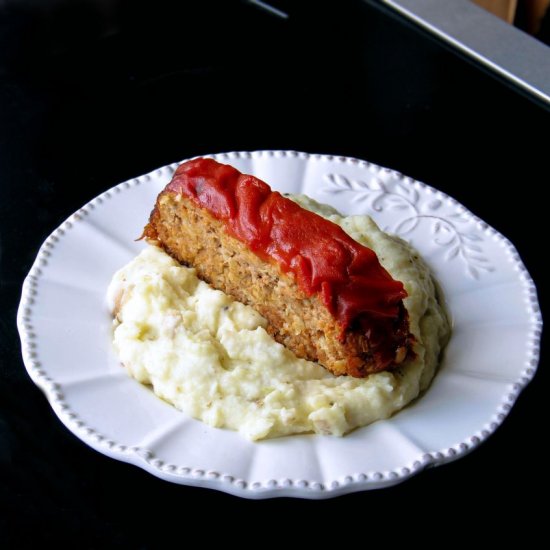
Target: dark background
{"x":95,"y":92}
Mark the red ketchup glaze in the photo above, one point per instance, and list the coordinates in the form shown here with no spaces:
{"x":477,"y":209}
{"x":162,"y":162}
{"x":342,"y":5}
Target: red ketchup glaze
{"x":324,"y":259}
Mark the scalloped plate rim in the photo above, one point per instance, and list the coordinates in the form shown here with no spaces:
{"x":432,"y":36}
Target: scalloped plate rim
{"x":225,"y":482}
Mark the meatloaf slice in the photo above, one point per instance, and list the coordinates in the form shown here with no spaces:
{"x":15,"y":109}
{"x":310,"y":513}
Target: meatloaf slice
{"x":325,"y":296}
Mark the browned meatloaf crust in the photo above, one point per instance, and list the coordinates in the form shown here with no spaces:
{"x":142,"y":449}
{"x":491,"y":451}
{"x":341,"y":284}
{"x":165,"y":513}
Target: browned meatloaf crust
{"x":193,"y":236}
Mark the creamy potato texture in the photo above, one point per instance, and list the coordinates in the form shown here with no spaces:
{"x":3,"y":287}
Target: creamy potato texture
{"x":212,"y":358}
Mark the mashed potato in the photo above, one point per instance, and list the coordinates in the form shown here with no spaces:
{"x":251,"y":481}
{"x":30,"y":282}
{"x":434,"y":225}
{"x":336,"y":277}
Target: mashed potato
{"x":212,"y":358}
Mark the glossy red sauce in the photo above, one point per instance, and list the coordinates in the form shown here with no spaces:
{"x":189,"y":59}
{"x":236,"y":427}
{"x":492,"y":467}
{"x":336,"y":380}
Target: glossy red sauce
{"x":325,"y":260}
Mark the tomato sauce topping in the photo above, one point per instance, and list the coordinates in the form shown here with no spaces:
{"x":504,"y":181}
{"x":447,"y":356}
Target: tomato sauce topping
{"x":325,"y":260}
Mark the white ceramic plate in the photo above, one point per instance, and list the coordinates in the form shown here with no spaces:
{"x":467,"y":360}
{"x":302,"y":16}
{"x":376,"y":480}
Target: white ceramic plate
{"x":65,"y":329}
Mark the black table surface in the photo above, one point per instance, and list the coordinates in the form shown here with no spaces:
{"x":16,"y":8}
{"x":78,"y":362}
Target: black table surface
{"x":93,"y":93}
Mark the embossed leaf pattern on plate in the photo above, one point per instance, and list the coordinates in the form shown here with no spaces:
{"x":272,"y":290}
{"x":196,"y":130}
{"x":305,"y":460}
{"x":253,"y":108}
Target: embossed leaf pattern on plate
{"x":449,"y":229}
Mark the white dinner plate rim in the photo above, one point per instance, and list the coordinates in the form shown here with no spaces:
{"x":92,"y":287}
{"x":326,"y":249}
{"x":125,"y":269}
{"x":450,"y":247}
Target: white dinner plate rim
{"x":225,"y":481}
